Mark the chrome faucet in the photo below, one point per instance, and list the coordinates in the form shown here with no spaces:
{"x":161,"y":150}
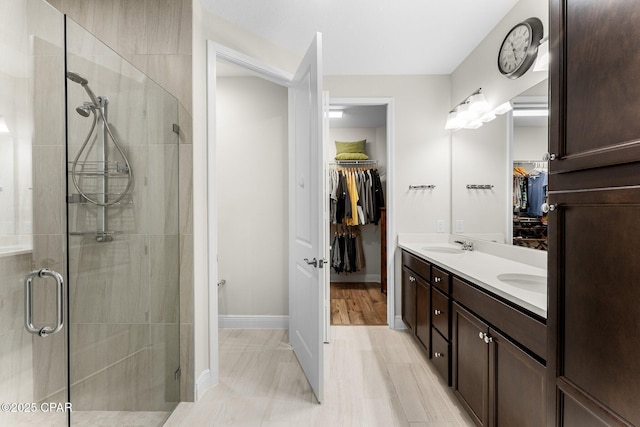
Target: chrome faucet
{"x":466,"y":244}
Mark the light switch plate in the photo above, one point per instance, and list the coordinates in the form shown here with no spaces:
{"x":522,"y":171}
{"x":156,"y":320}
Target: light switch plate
{"x":459,"y":225}
{"x":440,"y":226}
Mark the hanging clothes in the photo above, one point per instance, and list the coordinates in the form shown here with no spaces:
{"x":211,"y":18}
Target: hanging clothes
{"x":355,"y":196}
{"x":347,"y":254}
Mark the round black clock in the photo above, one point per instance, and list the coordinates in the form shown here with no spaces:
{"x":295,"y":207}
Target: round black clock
{"x":520,"y":48}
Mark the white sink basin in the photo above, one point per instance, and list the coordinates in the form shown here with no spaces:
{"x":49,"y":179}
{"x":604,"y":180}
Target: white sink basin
{"x":530,"y":282}
{"x":443,"y":249}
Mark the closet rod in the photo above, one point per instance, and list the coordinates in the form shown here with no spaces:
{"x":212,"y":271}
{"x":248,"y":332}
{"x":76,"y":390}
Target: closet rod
{"x":354,"y":163}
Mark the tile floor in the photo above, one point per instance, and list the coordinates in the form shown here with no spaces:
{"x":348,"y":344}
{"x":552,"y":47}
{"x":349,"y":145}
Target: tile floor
{"x":375,"y":376}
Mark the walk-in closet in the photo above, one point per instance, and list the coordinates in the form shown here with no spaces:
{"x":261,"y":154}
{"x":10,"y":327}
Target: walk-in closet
{"x":357,"y":188}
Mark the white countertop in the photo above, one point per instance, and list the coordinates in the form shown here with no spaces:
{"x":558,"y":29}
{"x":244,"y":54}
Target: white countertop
{"x":483,"y":269}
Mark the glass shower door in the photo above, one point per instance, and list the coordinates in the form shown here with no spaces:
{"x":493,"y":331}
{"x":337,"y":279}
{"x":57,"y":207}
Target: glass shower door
{"x":33,"y":349}
{"x":122,"y":160}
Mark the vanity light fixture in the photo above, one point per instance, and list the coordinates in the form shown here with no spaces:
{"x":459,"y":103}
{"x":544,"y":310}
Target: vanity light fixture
{"x":335,"y":114}
{"x":469,"y":113}
{"x":3,"y":125}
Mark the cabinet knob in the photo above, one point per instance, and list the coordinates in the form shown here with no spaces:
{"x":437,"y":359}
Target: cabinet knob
{"x":437,"y":312}
{"x":437,"y":280}
{"x":548,"y":156}
{"x":438,"y":354}
{"x":487,"y":339}
{"x":412,"y":279}
{"x":546,"y":207}
{"x":481,"y":335}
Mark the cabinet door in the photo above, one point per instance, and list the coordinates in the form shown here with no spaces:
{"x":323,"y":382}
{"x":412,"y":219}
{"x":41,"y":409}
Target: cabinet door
{"x":595,"y":284}
{"x":471,"y":364}
{"x":516,"y":385}
{"x":409,"y":299}
{"x":423,"y":309}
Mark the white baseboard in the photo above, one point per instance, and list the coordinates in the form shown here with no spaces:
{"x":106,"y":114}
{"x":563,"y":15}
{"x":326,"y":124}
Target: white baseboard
{"x":253,"y":322}
{"x":398,"y":323}
{"x":350,"y":278}
{"x":205,"y":381}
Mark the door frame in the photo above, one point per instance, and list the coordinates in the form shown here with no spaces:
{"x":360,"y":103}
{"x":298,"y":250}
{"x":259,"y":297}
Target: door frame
{"x":392,"y":243}
{"x":215,"y":52}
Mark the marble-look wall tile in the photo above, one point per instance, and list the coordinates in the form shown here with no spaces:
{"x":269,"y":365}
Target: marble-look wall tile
{"x":162,"y":189}
{"x":173,"y":72}
{"x":56,"y":3}
{"x":164,"y":278}
{"x":186,"y":363}
{"x":16,"y":369}
{"x":186,"y":28}
{"x":12,"y":271}
{"x":186,"y":189}
{"x":186,"y":125}
{"x":109,"y":282}
{"x":48,"y":97}
{"x":124,"y":386}
{"x":132,"y":16}
{"x":162,"y":114}
{"x":49,"y":365}
{"x":164,"y":22}
{"x":96,"y":346}
{"x":48,"y":190}
{"x":165,"y":360}
{"x":186,"y":278}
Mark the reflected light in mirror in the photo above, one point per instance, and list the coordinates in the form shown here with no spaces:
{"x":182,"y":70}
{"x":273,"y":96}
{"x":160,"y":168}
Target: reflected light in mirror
{"x":542,"y":61}
{"x":530,"y":113}
{"x":3,"y":125}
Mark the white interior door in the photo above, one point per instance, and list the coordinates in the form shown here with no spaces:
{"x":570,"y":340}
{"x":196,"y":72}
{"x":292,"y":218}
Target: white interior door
{"x":306,"y":182}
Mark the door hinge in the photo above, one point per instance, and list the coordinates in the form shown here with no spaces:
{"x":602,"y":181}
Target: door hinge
{"x":176,"y":129}
{"x":176,"y":374}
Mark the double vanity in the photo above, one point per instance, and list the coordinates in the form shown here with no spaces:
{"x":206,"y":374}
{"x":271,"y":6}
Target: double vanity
{"x":478,"y":310}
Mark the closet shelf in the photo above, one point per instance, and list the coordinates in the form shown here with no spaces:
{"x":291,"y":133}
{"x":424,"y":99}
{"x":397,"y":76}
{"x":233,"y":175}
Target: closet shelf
{"x":354,"y":163}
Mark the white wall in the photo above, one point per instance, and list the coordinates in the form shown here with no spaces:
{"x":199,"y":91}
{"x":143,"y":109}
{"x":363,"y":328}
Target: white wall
{"x":480,"y":157}
{"x":422,"y":147}
{"x":251,"y":174}
{"x":210,"y":27}
{"x":530,"y":143}
{"x":480,"y":69}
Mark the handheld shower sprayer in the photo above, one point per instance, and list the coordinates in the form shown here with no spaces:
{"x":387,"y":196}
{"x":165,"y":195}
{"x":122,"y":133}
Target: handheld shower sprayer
{"x":98,"y":106}
{"x":77,"y":78}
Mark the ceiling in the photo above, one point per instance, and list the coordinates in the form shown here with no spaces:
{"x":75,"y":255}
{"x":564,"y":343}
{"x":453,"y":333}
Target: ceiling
{"x":360,"y":116}
{"x":371,"y":37}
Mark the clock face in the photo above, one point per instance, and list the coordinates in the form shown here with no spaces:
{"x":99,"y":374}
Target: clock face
{"x":514,"y":49}
{"x":519,"y":48}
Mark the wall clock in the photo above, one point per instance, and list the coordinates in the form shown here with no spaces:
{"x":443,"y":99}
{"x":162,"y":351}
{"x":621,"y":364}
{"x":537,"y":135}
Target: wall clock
{"x":520,"y":48}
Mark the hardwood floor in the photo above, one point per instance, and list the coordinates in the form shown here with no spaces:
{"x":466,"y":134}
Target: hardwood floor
{"x":358,"y":303}
{"x":374,"y":376}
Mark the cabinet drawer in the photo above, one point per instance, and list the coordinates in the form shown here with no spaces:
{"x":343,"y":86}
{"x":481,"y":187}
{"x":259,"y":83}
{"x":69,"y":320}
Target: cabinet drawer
{"x":525,"y":330}
{"x":421,"y":267}
{"x":441,"y":357}
{"x":440,"y":312}
{"x":440,"y":279}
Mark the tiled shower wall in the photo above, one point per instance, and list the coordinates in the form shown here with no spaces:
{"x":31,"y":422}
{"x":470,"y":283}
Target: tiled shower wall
{"x":156,"y":36}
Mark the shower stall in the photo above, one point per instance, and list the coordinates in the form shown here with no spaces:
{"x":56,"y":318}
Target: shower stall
{"x":89,"y":233}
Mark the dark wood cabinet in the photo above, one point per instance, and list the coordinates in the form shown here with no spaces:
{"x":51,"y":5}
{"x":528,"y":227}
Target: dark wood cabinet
{"x":498,"y":383}
{"x":594,"y":230}
{"x":423,"y":319}
{"x":470,"y":364}
{"x":408,"y":303}
{"x":517,"y":385}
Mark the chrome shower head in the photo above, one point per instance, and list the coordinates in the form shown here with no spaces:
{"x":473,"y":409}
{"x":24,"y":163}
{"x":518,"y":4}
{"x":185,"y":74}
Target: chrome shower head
{"x":77,"y":78}
{"x":84,"y":110}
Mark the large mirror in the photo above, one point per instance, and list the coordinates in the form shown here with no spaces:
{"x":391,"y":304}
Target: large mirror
{"x":498,"y":175}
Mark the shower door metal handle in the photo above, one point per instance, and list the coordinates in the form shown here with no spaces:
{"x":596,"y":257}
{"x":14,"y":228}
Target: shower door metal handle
{"x":28,"y":302}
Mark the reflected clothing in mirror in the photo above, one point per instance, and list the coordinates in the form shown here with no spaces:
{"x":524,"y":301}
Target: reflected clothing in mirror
{"x":536,"y":192}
